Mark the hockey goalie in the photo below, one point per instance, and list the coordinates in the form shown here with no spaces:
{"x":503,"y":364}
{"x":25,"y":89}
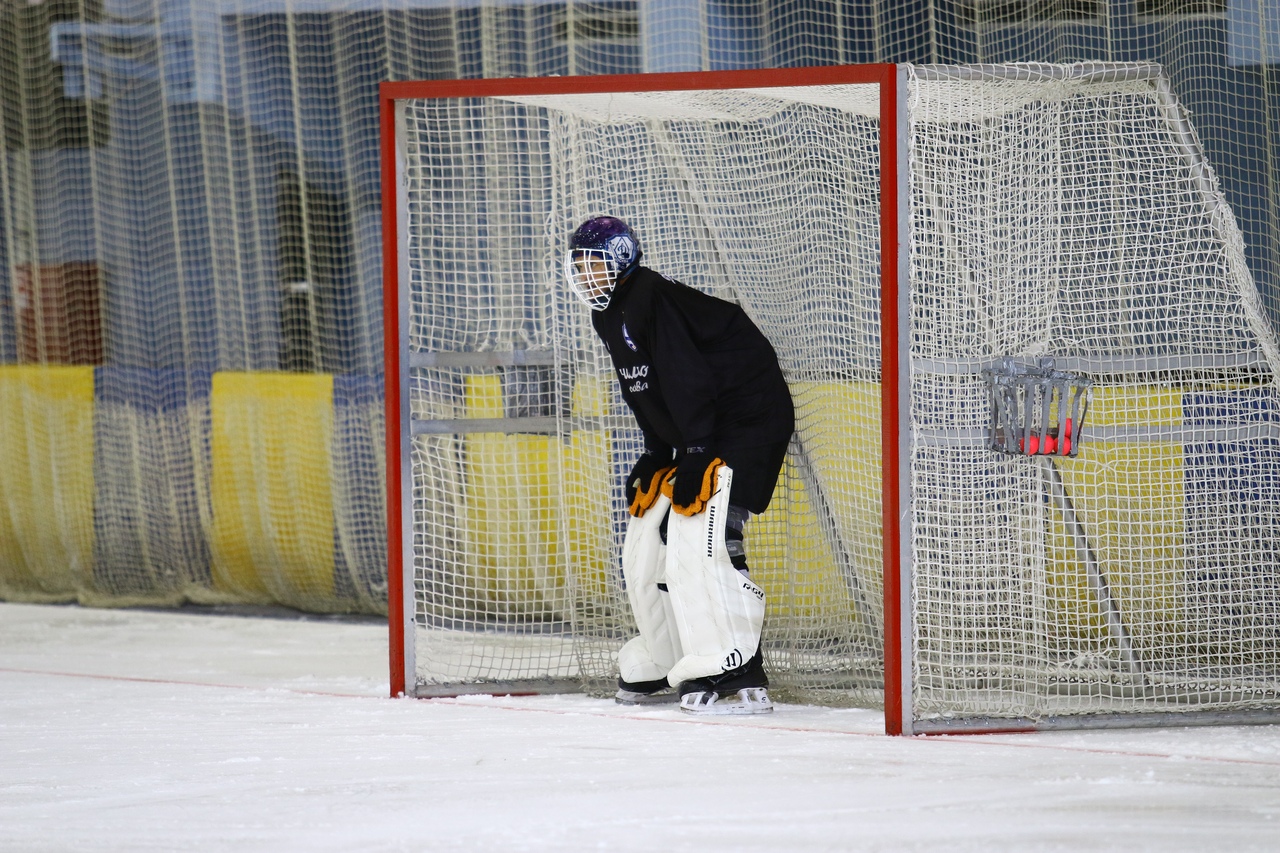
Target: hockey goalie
{"x":716,"y":414}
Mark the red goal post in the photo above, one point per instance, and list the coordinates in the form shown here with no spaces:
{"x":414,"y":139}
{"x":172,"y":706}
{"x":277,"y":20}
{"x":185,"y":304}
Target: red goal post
{"x":883,"y":76}
{"x":1013,"y":589}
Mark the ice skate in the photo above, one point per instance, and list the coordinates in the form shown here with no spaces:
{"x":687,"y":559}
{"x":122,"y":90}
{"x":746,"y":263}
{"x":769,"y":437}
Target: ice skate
{"x":748,"y":700}
{"x":738,"y":691}
{"x":657,"y":692}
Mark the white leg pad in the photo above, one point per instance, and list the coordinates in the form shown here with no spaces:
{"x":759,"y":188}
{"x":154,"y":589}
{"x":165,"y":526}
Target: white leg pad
{"x":649,"y":656}
{"x":719,"y":612}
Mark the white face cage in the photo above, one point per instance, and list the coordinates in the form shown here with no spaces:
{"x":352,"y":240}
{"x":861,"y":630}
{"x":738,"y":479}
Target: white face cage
{"x":591,"y":274}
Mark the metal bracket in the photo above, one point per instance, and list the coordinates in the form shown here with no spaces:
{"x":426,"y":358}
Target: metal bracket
{"x":1036,"y":410}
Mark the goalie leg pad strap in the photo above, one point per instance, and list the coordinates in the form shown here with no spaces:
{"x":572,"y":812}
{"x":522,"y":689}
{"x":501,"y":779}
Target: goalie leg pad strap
{"x":719,"y":611}
{"x":649,"y":656}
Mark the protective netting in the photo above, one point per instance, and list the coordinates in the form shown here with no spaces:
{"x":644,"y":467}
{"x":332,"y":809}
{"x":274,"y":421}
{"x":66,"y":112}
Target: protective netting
{"x":189,"y":236}
{"x":1067,"y":212}
{"x":517,"y":536}
{"x":1062,"y":217}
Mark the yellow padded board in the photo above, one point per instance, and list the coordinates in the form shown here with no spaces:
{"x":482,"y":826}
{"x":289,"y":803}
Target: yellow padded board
{"x":46,"y":488}
{"x":1129,"y":497}
{"x":588,"y":532}
{"x":522,"y":530}
{"x":519,"y":520}
{"x":272,"y":494}
{"x":839,"y":423}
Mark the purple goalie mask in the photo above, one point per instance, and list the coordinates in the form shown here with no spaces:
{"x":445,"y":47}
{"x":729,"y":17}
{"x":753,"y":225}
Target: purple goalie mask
{"x":602,"y":251}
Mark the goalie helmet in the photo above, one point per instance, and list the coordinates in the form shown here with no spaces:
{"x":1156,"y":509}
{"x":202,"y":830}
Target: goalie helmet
{"x":601,"y":253}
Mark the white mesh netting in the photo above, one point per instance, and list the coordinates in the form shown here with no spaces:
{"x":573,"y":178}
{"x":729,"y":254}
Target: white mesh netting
{"x":517,"y":536}
{"x":1060,"y":212}
{"x":1076,"y":218}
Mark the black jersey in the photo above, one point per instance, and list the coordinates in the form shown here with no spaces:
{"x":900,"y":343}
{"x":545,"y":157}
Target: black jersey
{"x":693,"y":368}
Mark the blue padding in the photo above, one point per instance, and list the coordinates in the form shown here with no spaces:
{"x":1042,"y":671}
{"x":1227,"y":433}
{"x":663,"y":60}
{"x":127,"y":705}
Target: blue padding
{"x":360,"y":543}
{"x":1247,"y":468}
{"x":154,"y":390}
{"x":1240,"y":406}
{"x":357,"y":389}
{"x":1232,"y":488}
{"x":149,"y":540}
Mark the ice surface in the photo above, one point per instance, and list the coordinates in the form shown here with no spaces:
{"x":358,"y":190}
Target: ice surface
{"x":146,"y":731}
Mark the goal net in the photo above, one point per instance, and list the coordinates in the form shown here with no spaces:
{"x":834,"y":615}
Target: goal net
{"x":1038,"y":295}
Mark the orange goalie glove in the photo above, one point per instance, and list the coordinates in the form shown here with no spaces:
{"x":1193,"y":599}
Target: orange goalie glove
{"x":644,"y":481}
{"x":693,"y":481}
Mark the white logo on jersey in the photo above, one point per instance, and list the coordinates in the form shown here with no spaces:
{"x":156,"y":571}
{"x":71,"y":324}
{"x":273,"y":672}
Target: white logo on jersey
{"x":640,"y":371}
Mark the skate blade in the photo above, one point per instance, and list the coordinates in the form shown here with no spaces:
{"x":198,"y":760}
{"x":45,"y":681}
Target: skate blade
{"x":749,"y":700}
{"x":630,"y":697}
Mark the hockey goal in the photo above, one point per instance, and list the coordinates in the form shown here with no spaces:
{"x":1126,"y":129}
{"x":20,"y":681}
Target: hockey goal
{"x":1035,"y":480}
